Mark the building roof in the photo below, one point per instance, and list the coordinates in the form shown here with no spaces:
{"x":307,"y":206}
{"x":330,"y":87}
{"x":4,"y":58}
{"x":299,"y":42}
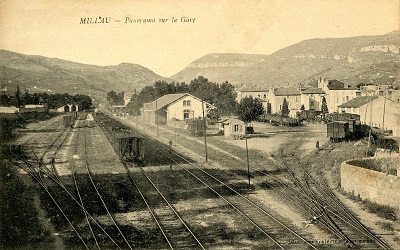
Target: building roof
{"x":254,"y":89}
{"x":358,"y":102}
{"x":163,"y":101}
{"x":313,"y":91}
{"x":286,"y":91}
{"x":166,"y":100}
{"x":334,"y":84}
{"x":232,"y":121}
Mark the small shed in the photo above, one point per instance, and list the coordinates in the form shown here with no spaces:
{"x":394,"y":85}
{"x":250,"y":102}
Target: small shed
{"x":233,"y":128}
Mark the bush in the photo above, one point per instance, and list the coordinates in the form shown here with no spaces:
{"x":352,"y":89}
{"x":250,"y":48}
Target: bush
{"x":383,"y":211}
{"x":19,"y":224}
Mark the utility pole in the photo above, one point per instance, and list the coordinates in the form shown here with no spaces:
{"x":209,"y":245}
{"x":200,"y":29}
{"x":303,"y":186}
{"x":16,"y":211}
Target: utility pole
{"x":370,"y":127}
{"x":384,"y":109}
{"x":247,"y":156}
{"x":170,"y":154}
{"x":175,"y":128}
{"x":156,"y":114}
{"x":205,"y":129}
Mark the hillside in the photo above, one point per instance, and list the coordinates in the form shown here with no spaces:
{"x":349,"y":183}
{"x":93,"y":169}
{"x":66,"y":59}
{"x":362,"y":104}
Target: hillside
{"x":38,"y":73}
{"x":355,"y":60}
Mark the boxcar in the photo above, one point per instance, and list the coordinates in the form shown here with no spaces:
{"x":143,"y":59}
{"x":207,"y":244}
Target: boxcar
{"x":338,"y":130}
{"x":68,"y":121}
{"x":129,"y":148}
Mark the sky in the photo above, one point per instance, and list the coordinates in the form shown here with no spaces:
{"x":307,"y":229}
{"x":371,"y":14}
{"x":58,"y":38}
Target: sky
{"x":53,"y":28}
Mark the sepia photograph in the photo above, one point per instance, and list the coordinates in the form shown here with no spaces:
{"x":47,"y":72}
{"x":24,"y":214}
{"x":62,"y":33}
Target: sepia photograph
{"x":149,"y":124}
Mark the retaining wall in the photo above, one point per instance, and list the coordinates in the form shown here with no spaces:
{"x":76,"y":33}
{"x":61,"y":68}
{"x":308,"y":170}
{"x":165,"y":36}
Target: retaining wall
{"x":372,"y":185}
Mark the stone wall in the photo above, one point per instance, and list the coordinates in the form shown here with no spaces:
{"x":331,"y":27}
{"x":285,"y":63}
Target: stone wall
{"x":372,"y":185}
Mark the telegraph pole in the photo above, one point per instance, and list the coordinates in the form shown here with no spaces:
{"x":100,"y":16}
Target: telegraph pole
{"x":205,"y":129}
{"x":156,"y":114}
{"x":247,"y":156}
{"x":370,"y":127}
{"x":384,"y":109}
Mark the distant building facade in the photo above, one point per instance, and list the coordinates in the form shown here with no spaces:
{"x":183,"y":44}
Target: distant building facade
{"x":376,"y":111}
{"x":337,"y":92}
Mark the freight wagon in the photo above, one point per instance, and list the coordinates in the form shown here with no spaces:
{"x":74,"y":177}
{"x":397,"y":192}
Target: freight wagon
{"x":129,"y":148}
{"x":278,"y":120}
{"x":126,"y":145}
{"x":338,"y":130}
{"x":309,"y":115}
{"x":68,"y":121}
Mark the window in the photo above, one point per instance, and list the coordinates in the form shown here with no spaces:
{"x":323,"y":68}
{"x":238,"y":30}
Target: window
{"x":236,"y":128}
{"x":186,"y":103}
{"x":186,"y":114}
{"x":347,"y":98}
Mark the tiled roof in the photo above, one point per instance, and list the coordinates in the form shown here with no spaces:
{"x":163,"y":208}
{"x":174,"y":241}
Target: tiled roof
{"x":163,"y":101}
{"x":286,"y":91}
{"x":358,"y":102}
{"x":166,"y":100}
{"x":313,"y":91}
{"x":254,"y":89}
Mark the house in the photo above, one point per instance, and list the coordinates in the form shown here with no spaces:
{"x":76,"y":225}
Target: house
{"x":337,"y":92}
{"x":233,"y":128}
{"x":376,"y":111}
{"x":260,"y":93}
{"x":312,"y":98}
{"x":172,"y":107}
{"x":66,"y":108}
{"x":292,"y":96}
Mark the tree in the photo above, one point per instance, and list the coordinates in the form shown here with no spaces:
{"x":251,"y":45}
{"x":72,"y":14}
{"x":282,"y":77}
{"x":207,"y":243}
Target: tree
{"x":302,"y":107}
{"x":285,"y":108}
{"x":17,"y":97}
{"x":28,"y":98}
{"x":324,"y":107}
{"x":269,"y":108}
{"x":249,"y":109}
{"x":5,"y":100}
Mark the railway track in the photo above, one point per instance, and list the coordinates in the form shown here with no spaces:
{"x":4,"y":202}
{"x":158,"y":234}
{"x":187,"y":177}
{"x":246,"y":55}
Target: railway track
{"x":38,"y":171}
{"x":90,"y":175}
{"x":176,"y":232}
{"x":327,"y":208}
{"x":306,"y":194}
{"x":276,"y":232}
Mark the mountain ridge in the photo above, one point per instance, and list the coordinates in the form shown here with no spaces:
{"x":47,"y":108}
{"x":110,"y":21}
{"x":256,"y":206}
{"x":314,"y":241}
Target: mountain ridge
{"x":353,"y":59}
{"x":39,"y":73}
